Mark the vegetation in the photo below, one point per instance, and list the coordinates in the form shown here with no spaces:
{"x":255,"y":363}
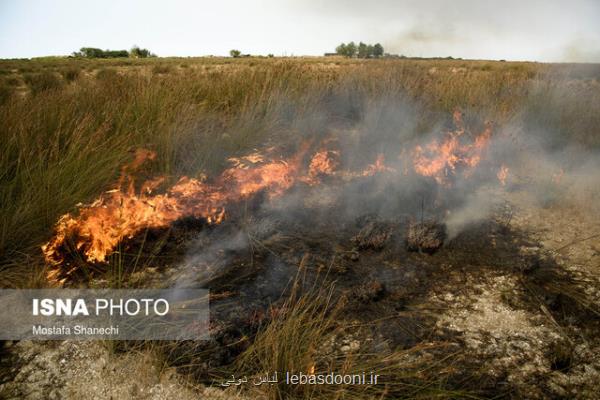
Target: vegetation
{"x":136,"y":52}
{"x":65,"y":143}
{"x":40,"y":82}
{"x":363,"y":50}
{"x":235,"y":53}
{"x":92,"y":52}
{"x":297,"y":340}
{"x":69,"y":125}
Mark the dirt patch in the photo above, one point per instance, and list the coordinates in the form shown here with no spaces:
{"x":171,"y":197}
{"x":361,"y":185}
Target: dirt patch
{"x":88,"y":370}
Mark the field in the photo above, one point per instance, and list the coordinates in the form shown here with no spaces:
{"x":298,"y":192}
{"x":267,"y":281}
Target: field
{"x":69,"y":126}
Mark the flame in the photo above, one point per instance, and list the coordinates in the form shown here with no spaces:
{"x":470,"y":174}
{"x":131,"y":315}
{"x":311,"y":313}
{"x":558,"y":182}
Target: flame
{"x":442,"y":159}
{"x":377,"y":167}
{"x":502,"y":174}
{"x":124,"y":211}
{"x":323,"y":163}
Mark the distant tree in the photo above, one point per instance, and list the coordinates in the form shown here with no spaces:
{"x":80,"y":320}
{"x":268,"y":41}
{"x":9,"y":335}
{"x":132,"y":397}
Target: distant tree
{"x":270,"y":55}
{"x":136,"y":52}
{"x":362,"y":50}
{"x":115,"y":53}
{"x":91,"y":52}
{"x":347,"y":50}
{"x":378,"y":50}
{"x":235,"y":53}
{"x":351,"y":49}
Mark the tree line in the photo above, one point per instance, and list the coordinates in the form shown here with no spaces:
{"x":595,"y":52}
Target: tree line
{"x":362,"y":50}
{"x":93,"y":52}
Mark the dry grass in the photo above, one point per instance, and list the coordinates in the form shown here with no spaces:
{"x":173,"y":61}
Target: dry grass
{"x":301,"y":337}
{"x":68,"y":125}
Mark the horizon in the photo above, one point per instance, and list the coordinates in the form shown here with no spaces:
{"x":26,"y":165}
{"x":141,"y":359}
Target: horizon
{"x":537,"y":31}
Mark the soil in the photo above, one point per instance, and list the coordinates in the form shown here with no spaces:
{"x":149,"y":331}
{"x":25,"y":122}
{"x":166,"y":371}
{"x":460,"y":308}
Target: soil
{"x":90,"y":370}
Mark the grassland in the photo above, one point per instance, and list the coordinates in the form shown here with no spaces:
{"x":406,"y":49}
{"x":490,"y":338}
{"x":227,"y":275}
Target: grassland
{"x":67,"y":125}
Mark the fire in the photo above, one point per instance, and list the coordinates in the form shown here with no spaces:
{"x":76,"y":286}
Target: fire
{"x":502,"y":174}
{"x":453,"y":154}
{"x":122,"y":213}
{"x":377,"y":167}
{"x":125,"y":211}
{"x":323,"y":163}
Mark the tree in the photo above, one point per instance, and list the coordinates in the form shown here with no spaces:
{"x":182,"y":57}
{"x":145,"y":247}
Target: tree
{"x":377,"y":50}
{"x":235,"y":53}
{"x":370,"y":51}
{"x":346,"y":50}
{"x":115,"y":53}
{"x":341,"y":49}
{"x":362,"y":50}
{"x":91,"y":52}
{"x":351,"y":49}
{"x":136,"y":52}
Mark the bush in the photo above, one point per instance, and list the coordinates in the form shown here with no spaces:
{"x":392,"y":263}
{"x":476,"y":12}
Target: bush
{"x":42,"y":81}
{"x":136,"y":52}
{"x":5,"y":92}
{"x":106,"y":74}
{"x":92,"y":52}
{"x":12,"y":81}
{"x":70,"y":74}
{"x":161,"y":69}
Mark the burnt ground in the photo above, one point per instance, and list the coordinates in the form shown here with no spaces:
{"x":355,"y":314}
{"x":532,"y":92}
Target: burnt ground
{"x":514,"y":299}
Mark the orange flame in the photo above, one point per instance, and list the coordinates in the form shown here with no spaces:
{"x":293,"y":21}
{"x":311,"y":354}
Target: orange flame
{"x":124,"y":212}
{"x":441,"y":159}
{"x":502,"y":174}
{"x":377,"y":167}
{"x":120,"y":214}
{"x":323,"y":163}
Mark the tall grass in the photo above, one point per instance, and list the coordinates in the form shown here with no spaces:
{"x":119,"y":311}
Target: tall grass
{"x":299,"y":340}
{"x":62,"y":144}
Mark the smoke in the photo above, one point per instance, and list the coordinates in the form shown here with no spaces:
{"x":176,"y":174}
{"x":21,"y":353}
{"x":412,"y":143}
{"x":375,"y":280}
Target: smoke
{"x":542,"y":161}
{"x":209,"y":255}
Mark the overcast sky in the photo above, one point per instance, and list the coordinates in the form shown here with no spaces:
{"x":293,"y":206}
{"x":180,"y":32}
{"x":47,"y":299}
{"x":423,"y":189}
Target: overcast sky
{"x":539,"y":30}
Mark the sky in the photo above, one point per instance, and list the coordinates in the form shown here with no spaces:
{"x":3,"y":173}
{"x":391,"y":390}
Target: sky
{"x":535,"y":30}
